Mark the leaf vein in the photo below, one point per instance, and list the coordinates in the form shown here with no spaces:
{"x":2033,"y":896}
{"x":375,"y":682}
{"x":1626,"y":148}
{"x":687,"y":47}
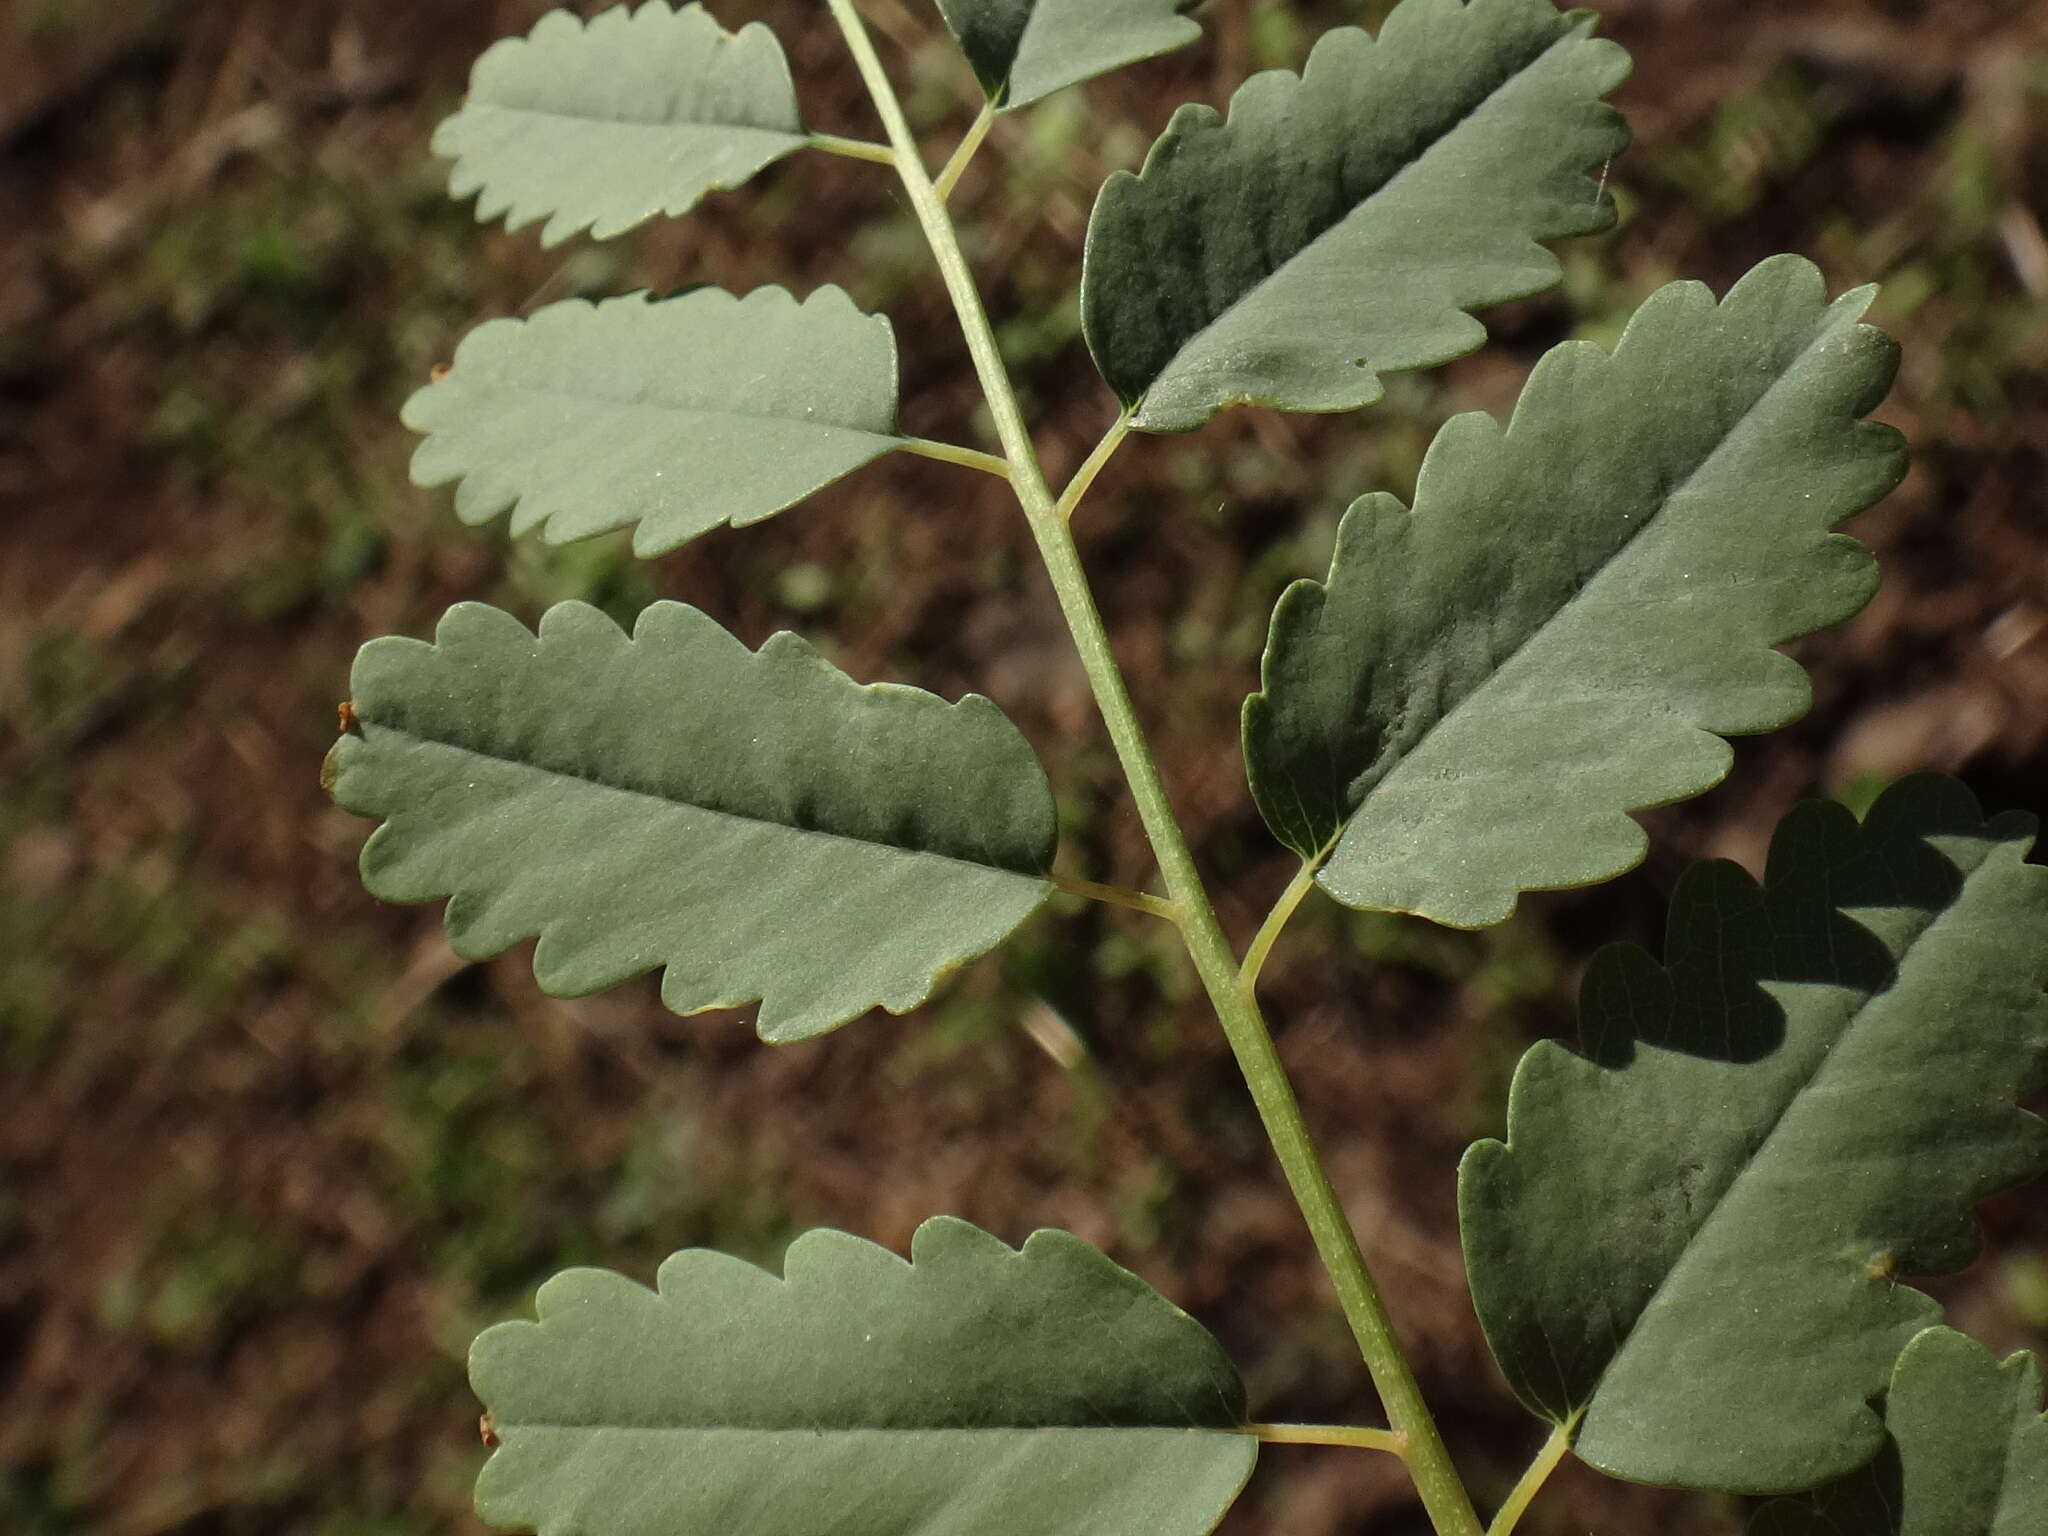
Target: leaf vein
{"x":677,"y":802}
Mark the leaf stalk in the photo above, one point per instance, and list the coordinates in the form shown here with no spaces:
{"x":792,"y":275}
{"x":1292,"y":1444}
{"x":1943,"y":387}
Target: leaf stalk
{"x":1436,"y":1479}
{"x":964,"y":155}
{"x":853,"y":149}
{"x":1119,"y":896}
{"x":1276,"y":920}
{"x":953,"y":453}
{"x":1357,"y":1436}
{"x":1093,"y":465}
{"x":1524,"y":1492}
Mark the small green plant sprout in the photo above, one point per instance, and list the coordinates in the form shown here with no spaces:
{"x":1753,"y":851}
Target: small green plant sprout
{"x":1691,"y":1255}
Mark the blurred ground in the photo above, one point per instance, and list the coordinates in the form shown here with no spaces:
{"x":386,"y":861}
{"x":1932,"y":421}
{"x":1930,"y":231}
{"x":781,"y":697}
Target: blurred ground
{"x":271,"y":1154}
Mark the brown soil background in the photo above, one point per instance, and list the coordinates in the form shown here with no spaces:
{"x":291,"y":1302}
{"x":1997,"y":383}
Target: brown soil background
{"x":271,"y":1154}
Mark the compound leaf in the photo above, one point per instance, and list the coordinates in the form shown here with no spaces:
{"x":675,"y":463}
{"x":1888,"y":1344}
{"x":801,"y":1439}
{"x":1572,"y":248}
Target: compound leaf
{"x":669,"y":416}
{"x":976,"y":1389}
{"x":603,"y":125}
{"x":1968,"y":1453}
{"x":1024,"y":50}
{"x":1692,"y":1240}
{"x":1579,"y":607}
{"x":755,"y":822}
{"x":1341,"y":224}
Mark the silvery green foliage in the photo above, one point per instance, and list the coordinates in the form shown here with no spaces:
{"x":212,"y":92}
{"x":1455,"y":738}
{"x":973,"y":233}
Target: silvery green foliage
{"x":602,"y":791}
{"x":1342,"y":223}
{"x":976,"y":1388}
{"x":1691,"y":1243}
{"x":1580,"y":605}
{"x":666,"y":416}
{"x":1024,"y":50}
{"x":605,"y":125}
{"x":1965,"y":1453}
{"x":1689,"y":1253}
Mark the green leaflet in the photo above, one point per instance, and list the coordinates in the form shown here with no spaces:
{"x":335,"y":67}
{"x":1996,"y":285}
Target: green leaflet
{"x":976,"y":1391}
{"x":757,"y":823}
{"x":669,"y":416}
{"x":1968,"y":1453}
{"x":1340,"y":225}
{"x":1695,"y":1234}
{"x":1024,"y":50}
{"x":602,"y":126}
{"x":1579,"y":606}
